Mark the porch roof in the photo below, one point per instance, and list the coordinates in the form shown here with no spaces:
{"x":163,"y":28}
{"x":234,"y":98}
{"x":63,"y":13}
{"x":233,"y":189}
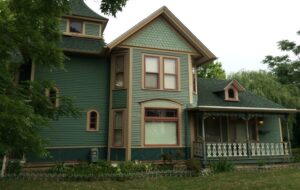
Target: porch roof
{"x":208,"y":100}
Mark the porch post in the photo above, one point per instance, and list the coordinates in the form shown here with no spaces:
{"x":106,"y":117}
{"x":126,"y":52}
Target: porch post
{"x":248,"y":139}
{"x":203,"y":135}
{"x":288,"y":136}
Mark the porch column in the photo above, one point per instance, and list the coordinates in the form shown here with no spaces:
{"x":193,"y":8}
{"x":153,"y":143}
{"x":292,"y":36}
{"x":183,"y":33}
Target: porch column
{"x":203,"y":135}
{"x":248,"y":139}
{"x":288,"y":135}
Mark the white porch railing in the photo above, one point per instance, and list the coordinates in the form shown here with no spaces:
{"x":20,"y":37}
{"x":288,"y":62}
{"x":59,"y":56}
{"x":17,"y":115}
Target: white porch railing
{"x":215,"y":150}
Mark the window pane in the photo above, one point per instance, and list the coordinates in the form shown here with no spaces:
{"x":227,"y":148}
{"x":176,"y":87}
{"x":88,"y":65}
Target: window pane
{"x":161,"y":113}
{"x":170,"y":82}
{"x":231,"y":93}
{"x":170,"y":66}
{"x":119,"y":80}
{"x":151,"y":80}
{"x":118,"y":120}
{"x":118,"y":137}
{"x":120,"y":64}
{"x":75,"y":26}
{"x":160,"y":133}
{"x":151,"y":64}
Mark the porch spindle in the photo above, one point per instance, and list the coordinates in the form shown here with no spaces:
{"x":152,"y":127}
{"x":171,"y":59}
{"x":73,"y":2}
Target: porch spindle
{"x":267,"y":149}
{"x":262,"y":149}
{"x":234,"y":149}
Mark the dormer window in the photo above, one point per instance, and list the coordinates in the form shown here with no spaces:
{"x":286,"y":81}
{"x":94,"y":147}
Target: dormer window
{"x":76,"y":26}
{"x":232,"y":91}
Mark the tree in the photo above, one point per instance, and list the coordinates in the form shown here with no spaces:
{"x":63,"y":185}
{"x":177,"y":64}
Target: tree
{"x":212,"y":70}
{"x":30,"y":34}
{"x":286,"y":67}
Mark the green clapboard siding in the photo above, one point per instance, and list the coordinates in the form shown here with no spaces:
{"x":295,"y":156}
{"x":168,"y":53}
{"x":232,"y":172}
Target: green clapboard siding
{"x":119,"y":99}
{"x":63,"y":25}
{"x":270,"y":130}
{"x":159,"y":34}
{"x":117,"y":154}
{"x":86,"y":80}
{"x":156,"y":153}
{"x":140,"y":95}
{"x":92,"y":29}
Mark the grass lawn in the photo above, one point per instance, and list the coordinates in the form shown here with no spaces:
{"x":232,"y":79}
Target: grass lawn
{"x":272,"y":179}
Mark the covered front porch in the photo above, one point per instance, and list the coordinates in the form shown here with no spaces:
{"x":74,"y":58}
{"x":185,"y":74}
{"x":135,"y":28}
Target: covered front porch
{"x":240,"y":136}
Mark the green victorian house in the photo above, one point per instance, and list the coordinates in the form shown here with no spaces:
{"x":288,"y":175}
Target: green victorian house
{"x":140,"y":98}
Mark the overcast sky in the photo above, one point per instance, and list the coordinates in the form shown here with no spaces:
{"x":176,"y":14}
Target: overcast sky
{"x":239,"y":32}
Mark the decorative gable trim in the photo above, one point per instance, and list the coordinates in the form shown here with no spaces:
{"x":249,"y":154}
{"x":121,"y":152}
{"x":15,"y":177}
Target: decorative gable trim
{"x":232,"y":91}
{"x":205,"y":54}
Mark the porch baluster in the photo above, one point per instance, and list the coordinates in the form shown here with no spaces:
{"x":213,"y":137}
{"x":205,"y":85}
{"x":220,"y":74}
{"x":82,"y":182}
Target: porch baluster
{"x":257,"y":149}
{"x":253,"y":152}
{"x":262,"y":149}
{"x":224,"y":150}
{"x":268,"y":149}
{"x":208,"y":150}
{"x":276,"y":149}
{"x":245,"y":149}
{"x":286,"y":148}
{"x":234,"y":149}
{"x":220,"y":150}
{"x":281,"y":149}
{"x":229,"y":149}
{"x":240,"y":149}
{"x":214,"y":150}
{"x":272,"y":149}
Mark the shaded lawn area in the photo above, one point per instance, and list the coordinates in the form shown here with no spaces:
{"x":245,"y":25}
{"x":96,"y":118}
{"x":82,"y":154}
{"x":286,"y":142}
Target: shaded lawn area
{"x":271,"y":179}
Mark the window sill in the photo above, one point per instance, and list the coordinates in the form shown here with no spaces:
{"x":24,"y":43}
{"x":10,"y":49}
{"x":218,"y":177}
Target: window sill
{"x":162,"y":90}
{"x":81,"y":35}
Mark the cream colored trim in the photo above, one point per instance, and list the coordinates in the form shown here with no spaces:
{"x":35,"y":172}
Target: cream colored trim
{"x":68,"y":26}
{"x":81,"y":35}
{"x":279,"y":110}
{"x":235,"y":92}
{"x":176,"y":23}
{"x":180,"y":124}
{"x":158,"y":50}
{"x":161,"y":72}
{"x":88,"y":120}
{"x":65,"y":147}
{"x":190,"y":74}
{"x":32,"y":74}
{"x":83,"y":28}
{"x":280,"y":129}
{"x":129,"y":106}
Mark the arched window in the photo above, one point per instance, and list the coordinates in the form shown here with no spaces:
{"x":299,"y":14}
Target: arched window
{"x":231,"y":93}
{"x":53,"y":94}
{"x":92,"y":120}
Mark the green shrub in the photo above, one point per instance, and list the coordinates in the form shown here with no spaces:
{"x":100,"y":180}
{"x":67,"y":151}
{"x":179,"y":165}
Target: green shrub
{"x":59,"y":168}
{"x":296,"y":154}
{"x":222,"y":165}
{"x":13,"y":167}
{"x":194,"y":165}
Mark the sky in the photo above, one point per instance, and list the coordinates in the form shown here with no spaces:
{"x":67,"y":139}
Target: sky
{"x":239,"y":32}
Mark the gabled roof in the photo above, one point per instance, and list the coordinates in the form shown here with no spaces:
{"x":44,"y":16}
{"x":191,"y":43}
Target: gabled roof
{"x":224,"y":84}
{"x":206,"y":54}
{"x":79,"y":8}
{"x":209,"y":100}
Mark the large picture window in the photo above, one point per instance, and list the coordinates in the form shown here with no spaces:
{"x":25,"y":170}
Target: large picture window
{"x":161,"y":126}
{"x":160,"y":73}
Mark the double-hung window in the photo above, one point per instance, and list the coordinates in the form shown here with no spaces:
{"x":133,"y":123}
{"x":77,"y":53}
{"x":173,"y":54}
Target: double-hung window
{"x":76,"y":26}
{"x":160,"y":73}
{"x":119,"y":71}
{"x":118,"y":129}
{"x":161,"y":126}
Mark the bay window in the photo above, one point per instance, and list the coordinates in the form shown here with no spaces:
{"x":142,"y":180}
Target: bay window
{"x":161,"y":126}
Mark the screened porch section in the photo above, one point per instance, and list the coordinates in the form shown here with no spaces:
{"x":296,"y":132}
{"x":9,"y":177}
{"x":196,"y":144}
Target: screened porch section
{"x":240,"y":137}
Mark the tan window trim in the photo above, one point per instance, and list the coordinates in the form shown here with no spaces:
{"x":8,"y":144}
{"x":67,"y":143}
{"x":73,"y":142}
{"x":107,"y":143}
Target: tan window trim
{"x":88,"y":120}
{"x":122,"y":128}
{"x":161,"y":74}
{"x":170,"y":74}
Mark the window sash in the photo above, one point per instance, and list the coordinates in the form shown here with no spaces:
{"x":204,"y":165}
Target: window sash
{"x":170,"y":73}
{"x":76,"y":26}
{"x":119,"y":71}
{"x":170,"y":81}
{"x":118,"y":129}
{"x":152,"y":80}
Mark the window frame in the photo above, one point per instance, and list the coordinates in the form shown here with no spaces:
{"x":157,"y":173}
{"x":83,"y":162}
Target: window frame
{"x":88,"y":120}
{"x":162,"y":119}
{"x":194,"y":78}
{"x":76,"y":20}
{"x":161,"y":73}
{"x":158,"y":73}
{"x":114,"y":128}
{"x":235,"y":92}
{"x":115,"y":87}
{"x":48,"y":94}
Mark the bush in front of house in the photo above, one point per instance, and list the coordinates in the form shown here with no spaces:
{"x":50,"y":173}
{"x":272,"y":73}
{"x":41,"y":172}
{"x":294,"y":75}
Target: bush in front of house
{"x":296,"y":154}
{"x":193,"y":165}
{"x":222,"y":165}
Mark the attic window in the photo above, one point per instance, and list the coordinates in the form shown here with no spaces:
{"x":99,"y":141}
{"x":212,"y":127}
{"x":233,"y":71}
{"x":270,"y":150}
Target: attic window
{"x":231,"y":94}
{"x":76,"y":26}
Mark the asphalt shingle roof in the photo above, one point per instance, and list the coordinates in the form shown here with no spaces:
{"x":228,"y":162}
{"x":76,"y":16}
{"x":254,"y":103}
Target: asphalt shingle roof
{"x":207,"y":96}
{"x":84,"y":45}
{"x":79,"y":8}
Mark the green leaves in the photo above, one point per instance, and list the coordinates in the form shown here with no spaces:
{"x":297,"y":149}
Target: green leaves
{"x":112,"y":6}
{"x":212,"y":70}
